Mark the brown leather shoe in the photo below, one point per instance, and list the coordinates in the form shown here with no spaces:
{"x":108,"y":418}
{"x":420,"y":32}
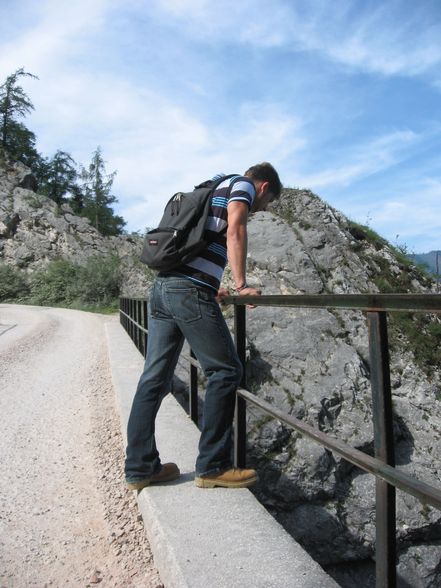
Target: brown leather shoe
{"x":167,"y":473}
{"x":233,"y":478}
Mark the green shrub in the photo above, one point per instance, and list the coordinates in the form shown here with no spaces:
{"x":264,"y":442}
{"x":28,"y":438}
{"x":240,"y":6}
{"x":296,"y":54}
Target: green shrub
{"x":365,"y":233}
{"x":423,"y":334}
{"x":62,"y":282}
{"x":13,"y":283}
{"x":99,"y":280}
{"x":55,"y":284}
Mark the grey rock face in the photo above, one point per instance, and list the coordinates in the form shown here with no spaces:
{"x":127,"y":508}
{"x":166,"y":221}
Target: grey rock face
{"x":35,"y":231}
{"x":277,"y":251}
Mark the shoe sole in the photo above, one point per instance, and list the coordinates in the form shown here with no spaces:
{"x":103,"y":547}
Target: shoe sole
{"x":206,"y":483}
{"x":138,"y":485}
{"x":146,"y":483}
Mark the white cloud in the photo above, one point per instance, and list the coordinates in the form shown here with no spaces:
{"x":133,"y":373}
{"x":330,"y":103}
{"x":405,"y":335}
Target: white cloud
{"x":390,"y":38}
{"x":60,"y":32}
{"x":407,"y":217}
{"x":363,"y":160}
{"x":379,"y":54}
{"x":256,"y":22}
{"x":416,"y":209}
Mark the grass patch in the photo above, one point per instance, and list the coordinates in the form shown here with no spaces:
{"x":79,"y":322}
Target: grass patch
{"x":423,"y":335}
{"x":364,"y":233}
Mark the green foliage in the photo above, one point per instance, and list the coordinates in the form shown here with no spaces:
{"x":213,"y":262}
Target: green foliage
{"x":401,"y":282}
{"x":76,"y":200}
{"x":100,"y":280}
{"x":434,"y":330}
{"x":21,"y":145}
{"x":423,"y":335}
{"x":97,"y":197}
{"x":13,"y":284}
{"x":55,"y":284}
{"x":15,"y":104}
{"x":365,"y":233}
{"x":57,"y":176}
{"x":287,"y":214}
{"x":96,"y":283}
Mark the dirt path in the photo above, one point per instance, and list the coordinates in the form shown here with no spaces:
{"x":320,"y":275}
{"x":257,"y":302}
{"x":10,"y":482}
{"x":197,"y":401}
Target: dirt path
{"x":65,"y":515}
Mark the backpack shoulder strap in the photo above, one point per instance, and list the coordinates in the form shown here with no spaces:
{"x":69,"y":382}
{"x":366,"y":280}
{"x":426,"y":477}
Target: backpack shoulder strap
{"x":213,"y":184}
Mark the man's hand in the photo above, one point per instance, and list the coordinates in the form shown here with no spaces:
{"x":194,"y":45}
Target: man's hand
{"x":250,"y":292}
{"x":221,"y":294}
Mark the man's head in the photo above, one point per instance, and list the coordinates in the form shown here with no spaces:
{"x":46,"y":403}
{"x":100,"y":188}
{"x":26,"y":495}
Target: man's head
{"x":267,"y":183}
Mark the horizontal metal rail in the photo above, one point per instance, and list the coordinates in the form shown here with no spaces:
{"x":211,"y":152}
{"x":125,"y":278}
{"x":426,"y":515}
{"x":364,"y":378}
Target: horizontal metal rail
{"x":367,"y":302}
{"x":424,"y":492}
{"x":135,"y":323}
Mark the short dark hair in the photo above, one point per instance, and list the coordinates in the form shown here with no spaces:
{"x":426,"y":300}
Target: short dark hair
{"x":265,"y":172}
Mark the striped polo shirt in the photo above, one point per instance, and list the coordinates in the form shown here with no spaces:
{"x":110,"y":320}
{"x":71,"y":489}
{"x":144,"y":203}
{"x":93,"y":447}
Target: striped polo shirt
{"x":208,"y":267}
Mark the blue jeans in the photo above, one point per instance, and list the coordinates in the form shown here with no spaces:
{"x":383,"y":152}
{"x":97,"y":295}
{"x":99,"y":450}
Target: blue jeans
{"x":180,"y":309}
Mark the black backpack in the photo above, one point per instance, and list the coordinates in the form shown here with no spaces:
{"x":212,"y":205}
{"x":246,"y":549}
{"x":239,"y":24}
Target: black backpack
{"x":180,"y":234}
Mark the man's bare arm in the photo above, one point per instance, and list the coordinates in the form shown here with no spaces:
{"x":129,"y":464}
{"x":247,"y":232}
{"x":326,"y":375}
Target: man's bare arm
{"x":237,"y":245}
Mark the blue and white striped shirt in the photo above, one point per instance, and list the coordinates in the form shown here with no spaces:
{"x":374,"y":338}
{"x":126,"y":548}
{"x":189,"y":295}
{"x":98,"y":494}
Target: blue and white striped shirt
{"x":208,"y":267}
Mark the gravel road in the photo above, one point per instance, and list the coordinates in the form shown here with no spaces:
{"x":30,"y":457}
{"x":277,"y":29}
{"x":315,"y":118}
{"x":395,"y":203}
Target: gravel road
{"x":65,"y":515}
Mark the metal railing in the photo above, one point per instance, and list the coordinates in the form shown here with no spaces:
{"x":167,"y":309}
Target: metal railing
{"x":133,"y":315}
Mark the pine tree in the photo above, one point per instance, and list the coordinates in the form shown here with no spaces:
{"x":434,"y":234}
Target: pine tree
{"x":15,"y":138}
{"x":96,"y":188}
{"x":76,"y":200}
{"x":57,"y":177}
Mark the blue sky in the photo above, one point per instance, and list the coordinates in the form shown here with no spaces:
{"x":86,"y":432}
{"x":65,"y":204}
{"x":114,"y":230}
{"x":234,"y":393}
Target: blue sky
{"x":343,"y":97}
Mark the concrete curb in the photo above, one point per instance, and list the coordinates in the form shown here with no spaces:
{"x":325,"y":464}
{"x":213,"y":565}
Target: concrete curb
{"x":218,"y":538}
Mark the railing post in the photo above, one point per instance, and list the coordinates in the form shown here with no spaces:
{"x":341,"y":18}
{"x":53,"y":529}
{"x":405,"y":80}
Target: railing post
{"x":193,"y":396}
{"x":240,"y":425}
{"x":145,"y":324}
{"x":135,"y":320}
{"x":138,"y":328}
{"x":385,"y":547}
{"x":130,"y":313}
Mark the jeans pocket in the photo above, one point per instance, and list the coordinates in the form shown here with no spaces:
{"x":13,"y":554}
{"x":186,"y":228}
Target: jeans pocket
{"x":209,"y":305}
{"x":156,"y":306}
{"x":184,"y":304}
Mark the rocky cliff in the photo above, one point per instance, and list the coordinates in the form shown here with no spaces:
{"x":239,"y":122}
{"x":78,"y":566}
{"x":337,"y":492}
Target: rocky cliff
{"x":314,"y":364}
{"x":35,"y":231}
